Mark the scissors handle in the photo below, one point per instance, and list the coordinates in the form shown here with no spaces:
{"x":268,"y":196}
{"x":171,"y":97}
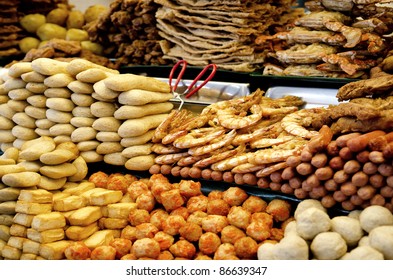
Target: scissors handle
{"x":189,"y":93}
{"x":172,"y":73}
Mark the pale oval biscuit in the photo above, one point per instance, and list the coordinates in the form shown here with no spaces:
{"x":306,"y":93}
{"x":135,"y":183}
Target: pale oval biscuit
{"x":109,"y":148}
{"x":83,"y":134}
{"x":38,"y":88}
{"x":98,"y":97}
{"x":34,"y":112}
{"x":107,"y":136}
{"x":124,"y":82}
{"x":33,"y":77}
{"x":103,"y":109}
{"x":16,"y":70}
{"x":5,"y":161}
{"x":48,"y":66}
{"x":11,"y":153}
{"x":23,"y":179}
{"x":79,"y":65}
{"x":23,"y":119}
{"x":24,"y":133}
{"x":61,"y":129}
{"x":5,"y":146}
{"x":82,"y":170}
{"x":62,"y":138}
{"x":58,"y":171}
{"x":58,"y":156}
{"x":42,"y":132}
{"x":23,"y":219}
{"x":6,"y":220}
{"x":58,"y":80}
{"x":80,"y":87}
{"x":33,"y":166}
{"x":58,"y":116}
{"x":44,"y":123}
{"x":6,"y":123}
{"x":137,"y":150}
{"x":11,"y":253}
{"x":80,"y":99}
{"x":116,"y":159}
{"x":132,"y":112}
{"x":140,"y":163}
{"x":70,"y":146}
{"x":82,"y":121}
{"x":104,"y":92}
{"x":32,"y":208}
{"x":54,"y":250}
{"x":6,"y":111}
{"x":4,"y":99}
{"x":17,"y":105}
{"x":69,"y":185}
{"x":37,"y":101}
{"x":46,"y":236}
{"x":78,"y":233}
{"x":20,"y":94}
{"x":33,"y":149}
{"x":92,"y":75}
{"x":53,"y":220}
{"x":109,"y":124}
{"x":80,"y":111}
{"x":137,"y":140}
{"x":6,"y":136}
{"x":136,"y":127}
{"x":91,"y":156}
{"x":58,"y":92}
{"x":85,"y":216}
{"x":142,"y":97}
{"x":8,"y":207}
{"x":4,"y":233}
{"x":51,"y":184}
{"x":60,"y":104}
{"x":14,"y":83}
{"x":18,"y":143}
{"x":86,"y":146}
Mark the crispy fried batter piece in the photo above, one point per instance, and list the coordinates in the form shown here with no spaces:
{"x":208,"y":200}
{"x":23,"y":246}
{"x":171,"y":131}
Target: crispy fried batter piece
{"x":364,"y":88}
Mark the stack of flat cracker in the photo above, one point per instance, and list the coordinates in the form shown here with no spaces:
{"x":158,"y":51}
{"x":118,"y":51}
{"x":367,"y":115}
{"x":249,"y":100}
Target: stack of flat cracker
{"x":218,"y":31}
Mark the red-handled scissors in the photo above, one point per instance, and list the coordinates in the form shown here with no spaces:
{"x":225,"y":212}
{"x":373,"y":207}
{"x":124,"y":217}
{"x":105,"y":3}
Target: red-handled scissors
{"x":190,"y":89}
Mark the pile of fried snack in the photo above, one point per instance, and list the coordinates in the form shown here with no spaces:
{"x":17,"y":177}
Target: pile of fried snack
{"x":342,"y":39}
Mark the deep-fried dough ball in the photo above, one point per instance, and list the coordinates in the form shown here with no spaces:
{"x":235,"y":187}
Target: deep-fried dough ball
{"x":189,"y":188}
{"x":190,"y":231}
{"x":246,"y":248}
{"x":77,"y":251}
{"x":258,"y":230}
{"x":129,"y":232}
{"x":218,"y":207}
{"x":181,"y":211}
{"x":130,"y":257}
{"x":172,"y":199}
{"x":276,"y":234}
{"x":136,"y":188}
{"x":197,"y":217}
{"x":164,"y":239}
{"x":262,"y":217}
{"x":209,"y":242}
{"x":100,"y":179}
{"x":183,"y":249}
{"x":254,"y":204}
{"x":196,"y":203}
{"x":146,"y":230}
{"x":172,"y":224}
{"x":103,"y":252}
{"x":165,"y":255}
{"x":146,"y":201}
{"x":225,"y":251}
{"x":280,"y":209}
{"x":157,"y":216}
{"x":117,"y":182}
{"x":138,"y":216}
{"x":146,"y":247}
{"x":230,"y":234}
{"x":202,"y":256}
{"x":130,"y":178}
{"x":239,"y":217}
{"x":234,"y":196}
{"x":215,"y":194}
{"x":159,"y":183}
{"x":214,"y":223}
{"x":122,"y":246}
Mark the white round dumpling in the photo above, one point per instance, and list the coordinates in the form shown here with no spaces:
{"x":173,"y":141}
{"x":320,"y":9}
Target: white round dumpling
{"x":374,"y":216}
{"x":291,"y":247}
{"x":308,"y":203}
{"x":265,"y":251}
{"x":363,"y":253}
{"x":311,"y":222}
{"x":381,"y":239}
{"x":328,"y":246}
{"x":348,"y":228}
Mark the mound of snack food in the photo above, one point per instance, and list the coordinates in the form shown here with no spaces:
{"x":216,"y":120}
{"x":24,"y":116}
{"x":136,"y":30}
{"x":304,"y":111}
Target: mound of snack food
{"x":361,"y":235}
{"x":335,"y":39}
